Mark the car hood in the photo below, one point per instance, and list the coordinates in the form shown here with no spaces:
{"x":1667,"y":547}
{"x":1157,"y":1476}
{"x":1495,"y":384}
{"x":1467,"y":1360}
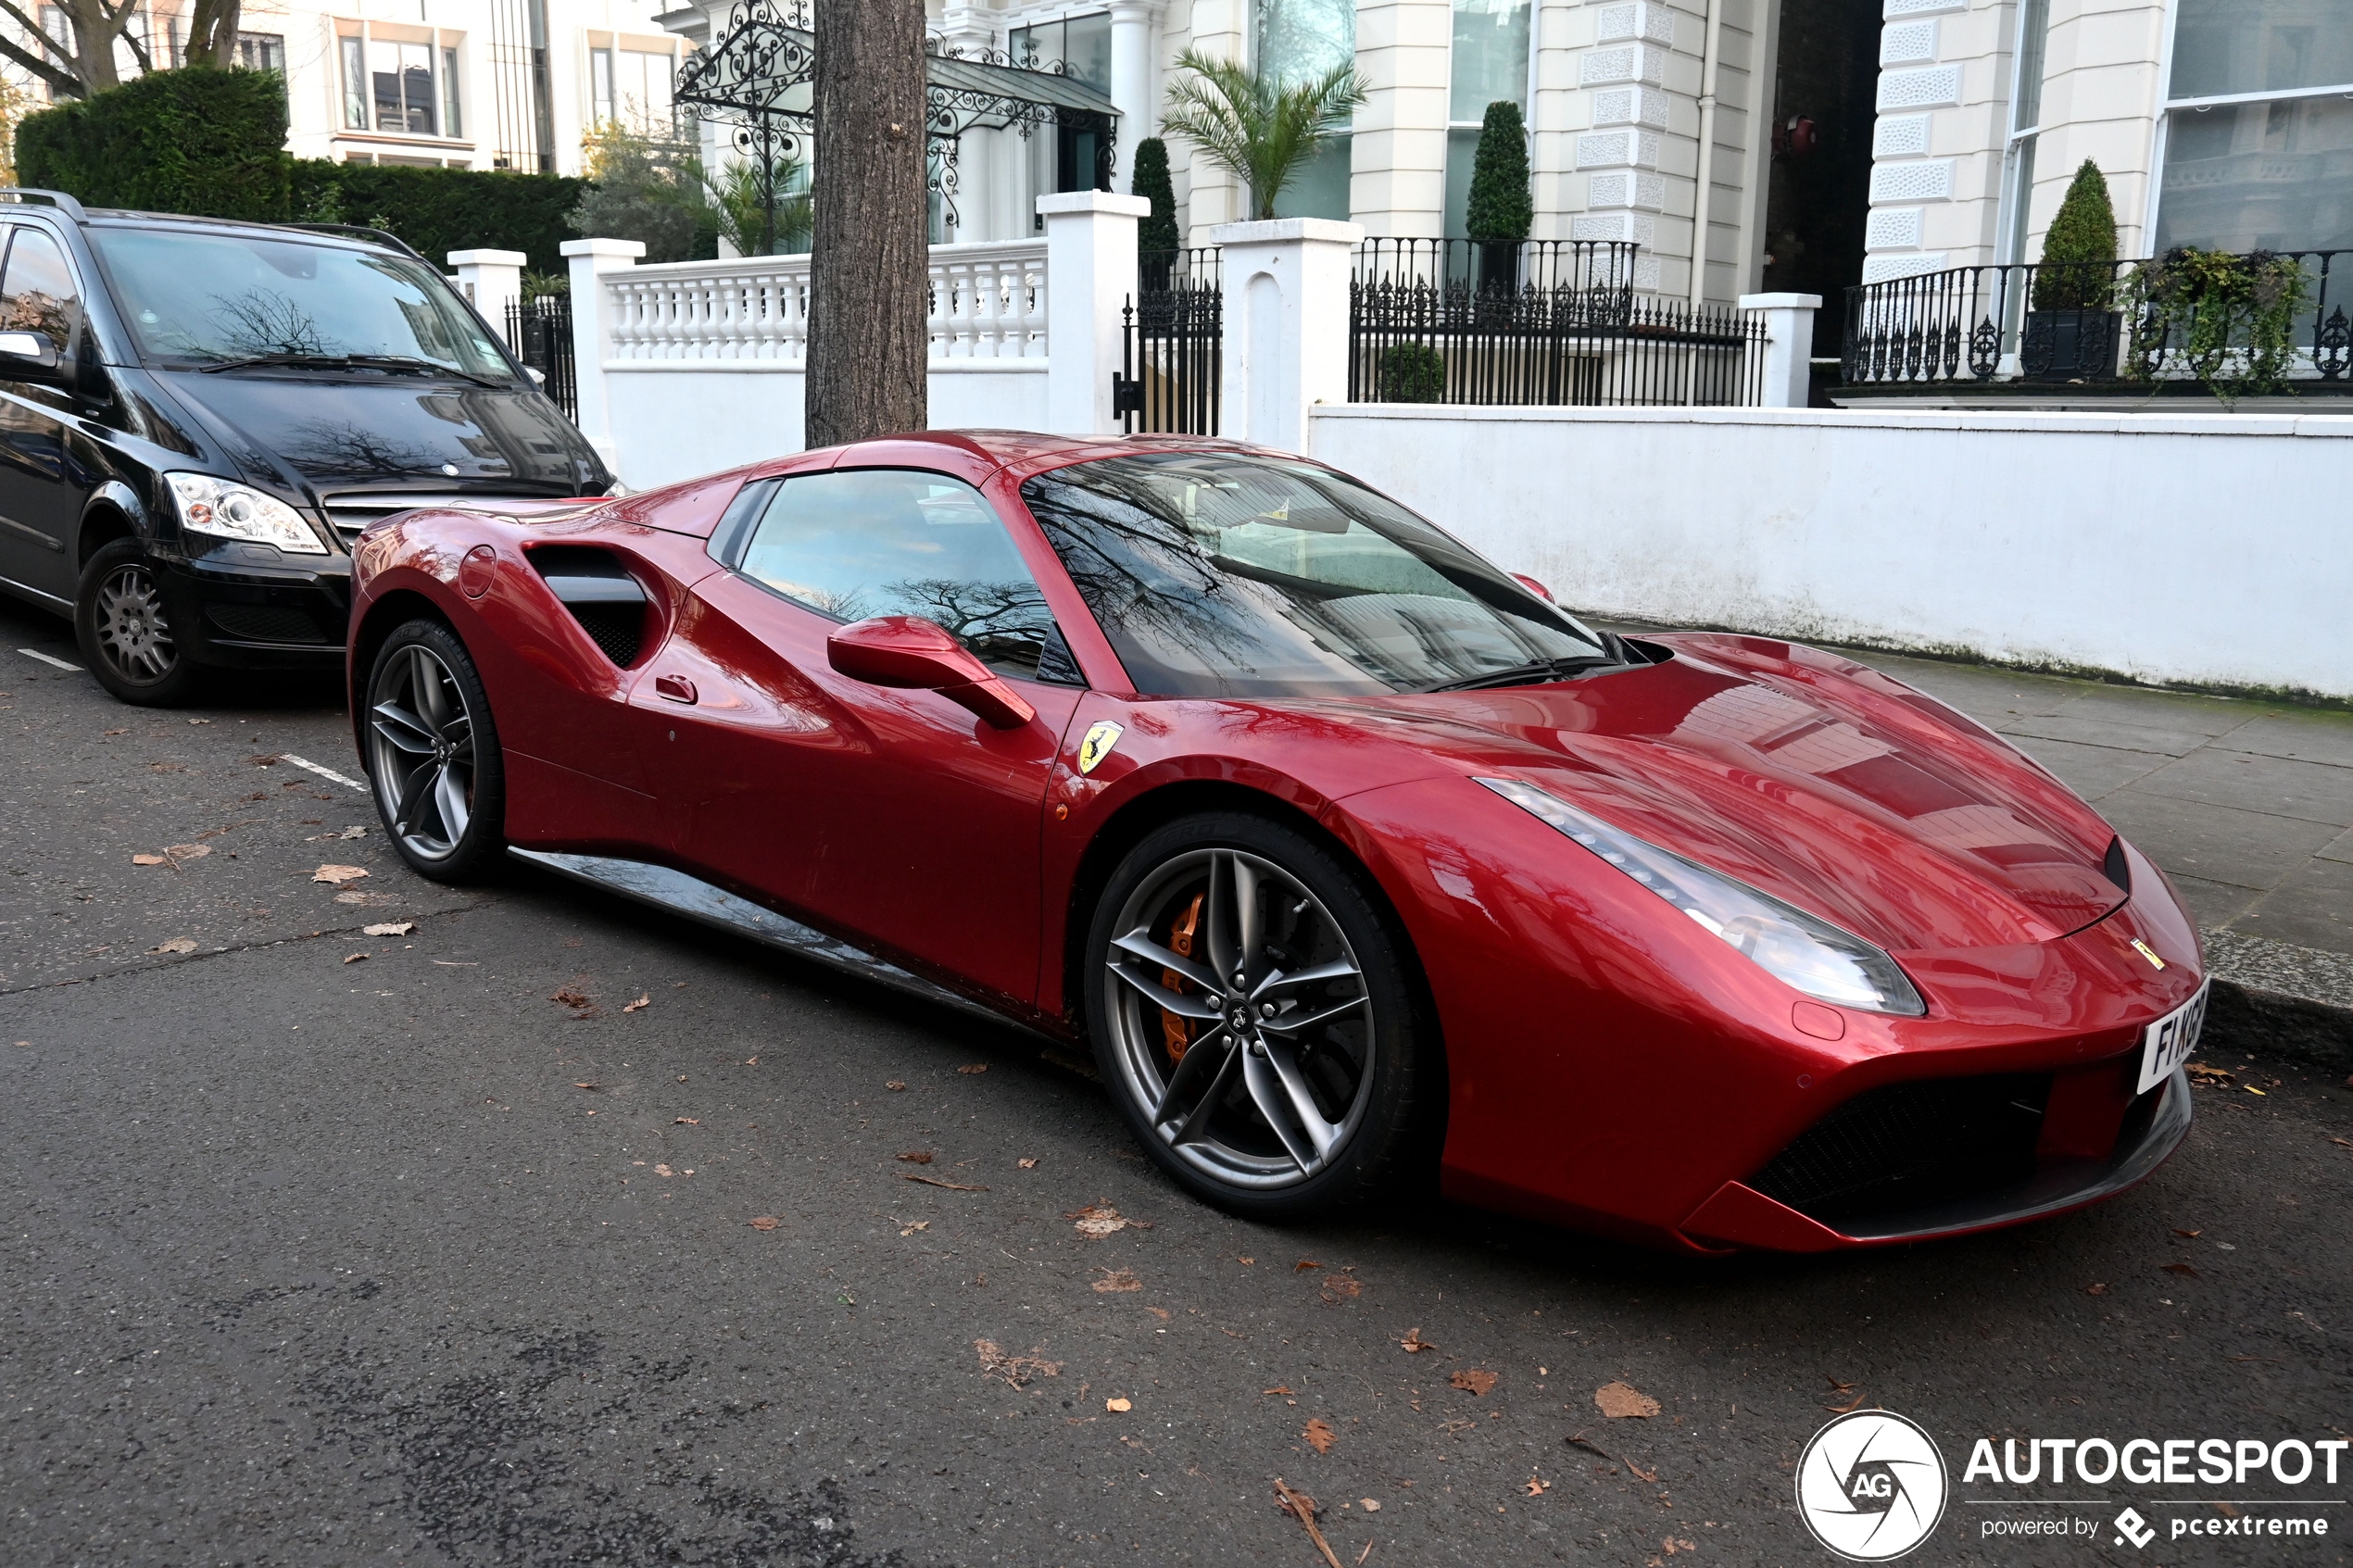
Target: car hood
{"x":332,"y":432}
{"x":1807,"y":776}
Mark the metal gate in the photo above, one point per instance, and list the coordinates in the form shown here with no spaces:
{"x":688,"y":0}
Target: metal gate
{"x":539,"y":331}
{"x":1171,"y":353}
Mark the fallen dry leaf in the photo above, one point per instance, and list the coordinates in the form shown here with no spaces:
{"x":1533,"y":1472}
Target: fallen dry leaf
{"x":1341,"y":1287}
{"x":909,"y":1227}
{"x":2100,"y":1289}
{"x":976,"y":1067}
{"x":643,"y":1000}
{"x":687,"y":1121}
{"x":1014,"y":1370}
{"x":1277,"y":1389}
{"x":1097,"y":1220}
{"x":2189,"y":1234}
{"x":917,"y":1157}
{"x":2342,"y":1143}
{"x":1836,"y":1386}
{"x":1414,"y":1344}
{"x":1031,"y":1163}
{"x":389,"y":928}
{"x":1618,"y":1399}
{"x":1476,"y":1383}
{"x":1118,"y":1280}
{"x":338,"y":873}
{"x":763,"y":1222}
{"x":1847,"y":1409}
{"x":1119,"y":1406}
{"x":368,"y":898}
{"x":355,"y":958}
{"x":664,"y":1170}
{"x":2201,"y":1073}
{"x":1304,"y":1265}
{"x":177,"y":945}
{"x":567,"y":998}
{"x":935,"y":1182}
{"x":2180,"y":1269}
{"x":1675,"y":1544}
{"x":894,"y":1086}
{"x":1320,"y":1436}
{"x":585,"y":1083}
{"x":149,"y":861}
{"x":1536,"y":1489}
{"x":2251,"y":1089}
{"x":1368,"y":1504}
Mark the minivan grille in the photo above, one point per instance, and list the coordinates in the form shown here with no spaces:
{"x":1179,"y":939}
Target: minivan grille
{"x":1905,"y":1145}
{"x":352,"y":510}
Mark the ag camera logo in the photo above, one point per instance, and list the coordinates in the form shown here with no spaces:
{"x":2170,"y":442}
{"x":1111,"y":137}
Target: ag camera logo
{"x":1871,"y":1485}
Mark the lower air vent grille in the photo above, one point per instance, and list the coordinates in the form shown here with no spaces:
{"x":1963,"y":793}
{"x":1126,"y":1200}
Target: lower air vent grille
{"x":1908,"y":1145}
{"x":266,"y":623}
{"x":608,"y":603}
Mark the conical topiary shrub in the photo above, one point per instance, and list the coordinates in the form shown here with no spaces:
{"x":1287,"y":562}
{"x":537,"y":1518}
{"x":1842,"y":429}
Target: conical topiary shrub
{"x":1500,"y":207}
{"x":1158,"y":230}
{"x":2079,"y":254}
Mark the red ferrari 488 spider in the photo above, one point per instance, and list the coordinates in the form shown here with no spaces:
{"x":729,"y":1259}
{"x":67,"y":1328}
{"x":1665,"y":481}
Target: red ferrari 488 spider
{"x":1341,"y":849}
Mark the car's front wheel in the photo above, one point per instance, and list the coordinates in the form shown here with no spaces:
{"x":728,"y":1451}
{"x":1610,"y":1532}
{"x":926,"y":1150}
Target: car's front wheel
{"x":1254,"y":1012}
{"x":433,"y":754}
{"x":126,"y":630}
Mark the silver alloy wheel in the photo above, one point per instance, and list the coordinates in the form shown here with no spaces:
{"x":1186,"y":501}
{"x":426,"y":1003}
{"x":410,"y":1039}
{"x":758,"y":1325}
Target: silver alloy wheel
{"x":421,"y":752}
{"x":1276,"y":1065}
{"x":133,"y":633}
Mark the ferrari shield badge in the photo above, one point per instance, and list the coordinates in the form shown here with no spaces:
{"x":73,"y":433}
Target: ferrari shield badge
{"x":1100,"y":737}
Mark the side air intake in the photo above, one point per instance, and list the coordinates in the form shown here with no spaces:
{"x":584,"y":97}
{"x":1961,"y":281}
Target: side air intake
{"x":608,"y":603}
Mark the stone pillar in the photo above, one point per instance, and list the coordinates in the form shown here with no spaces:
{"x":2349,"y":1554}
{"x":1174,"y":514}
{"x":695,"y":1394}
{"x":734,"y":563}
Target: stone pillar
{"x":1397,"y":156}
{"x":1789,"y":353}
{"x":1132,"y":26}
{"x":491,"y":279}
{"x":590,"y":261}
{"x":1091,"y":277}
{"x":1286,"y":306}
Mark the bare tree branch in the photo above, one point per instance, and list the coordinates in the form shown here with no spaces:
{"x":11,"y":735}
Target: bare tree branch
{"x":60,"y":77}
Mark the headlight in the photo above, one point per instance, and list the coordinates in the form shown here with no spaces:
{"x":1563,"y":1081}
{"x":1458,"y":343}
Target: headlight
{"x":1810,"y":955}
{"x":237,"y":511}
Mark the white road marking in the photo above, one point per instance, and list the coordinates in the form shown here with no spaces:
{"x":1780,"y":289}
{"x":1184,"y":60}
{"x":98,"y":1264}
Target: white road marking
{"x":36,"y":653}
{"x":323,"y":772}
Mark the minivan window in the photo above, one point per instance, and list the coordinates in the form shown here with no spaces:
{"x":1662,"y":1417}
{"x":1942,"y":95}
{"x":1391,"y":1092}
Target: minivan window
{"x":37,"y":293}
{"x":194,"y":298}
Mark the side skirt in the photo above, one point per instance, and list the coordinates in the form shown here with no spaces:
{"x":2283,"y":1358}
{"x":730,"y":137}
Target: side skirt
{"x":698,"y":900}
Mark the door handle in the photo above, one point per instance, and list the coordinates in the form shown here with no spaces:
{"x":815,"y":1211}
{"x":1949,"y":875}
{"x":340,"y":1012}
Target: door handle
{"x":677,"y":688}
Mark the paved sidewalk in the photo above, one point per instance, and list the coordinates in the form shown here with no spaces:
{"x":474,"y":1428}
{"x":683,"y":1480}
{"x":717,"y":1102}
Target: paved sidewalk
{"x":2248,"y":806}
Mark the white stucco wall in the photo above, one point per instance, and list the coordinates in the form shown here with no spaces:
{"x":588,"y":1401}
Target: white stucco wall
{"x":674,"y":421}
{"x":2164,"y":548}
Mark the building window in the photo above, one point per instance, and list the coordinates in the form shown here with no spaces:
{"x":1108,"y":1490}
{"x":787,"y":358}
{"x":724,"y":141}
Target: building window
{"x":2259,"y":127}
{"x":1489,"y":66}
{"x":1082,"y":47}
{"x":262,"y":51}
{"x":452,"y":122}
{"x":632,"y":87}
{"x":2026,"y":117}
{"x":393,"y":82}
{"x":1297,"y":40}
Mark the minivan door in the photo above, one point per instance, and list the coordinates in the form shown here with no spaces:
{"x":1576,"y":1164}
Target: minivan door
{"x":40,"y":490}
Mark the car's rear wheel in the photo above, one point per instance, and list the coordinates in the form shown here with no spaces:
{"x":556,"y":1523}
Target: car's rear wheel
{"x":433,"y":754}
{"x":1254,"y":1012}
{"x":126,"y":630}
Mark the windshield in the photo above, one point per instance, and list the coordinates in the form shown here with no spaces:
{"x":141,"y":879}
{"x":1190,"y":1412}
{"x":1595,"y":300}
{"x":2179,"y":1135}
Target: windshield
{"x":1216,"y":575}
{"x":194,"y":298}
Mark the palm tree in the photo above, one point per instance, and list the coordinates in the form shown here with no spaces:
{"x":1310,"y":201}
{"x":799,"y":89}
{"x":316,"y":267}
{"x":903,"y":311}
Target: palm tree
{"x":1259,"y":131}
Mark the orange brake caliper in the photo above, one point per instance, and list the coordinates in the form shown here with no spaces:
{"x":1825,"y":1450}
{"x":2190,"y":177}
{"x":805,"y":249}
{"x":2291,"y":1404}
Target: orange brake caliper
{"x":1178,"y":1032}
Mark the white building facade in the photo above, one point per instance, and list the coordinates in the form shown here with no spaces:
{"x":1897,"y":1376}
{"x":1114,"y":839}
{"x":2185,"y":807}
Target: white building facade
{"x":2223,"y":124}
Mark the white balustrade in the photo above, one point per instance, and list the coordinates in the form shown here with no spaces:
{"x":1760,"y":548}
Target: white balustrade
{"x":988,"y":301}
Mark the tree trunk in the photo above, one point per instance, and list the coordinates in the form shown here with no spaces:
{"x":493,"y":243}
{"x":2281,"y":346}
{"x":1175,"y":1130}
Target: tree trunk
{"x":869,"y":277}
{"x":94,"y":33}
{"x":212,"y":33}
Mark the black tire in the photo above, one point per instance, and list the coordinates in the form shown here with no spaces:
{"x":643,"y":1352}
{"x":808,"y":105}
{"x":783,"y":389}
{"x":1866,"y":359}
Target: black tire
{"x":127,"y":635}
{"x":1369,"y":1067}
{"x":432,"y":755}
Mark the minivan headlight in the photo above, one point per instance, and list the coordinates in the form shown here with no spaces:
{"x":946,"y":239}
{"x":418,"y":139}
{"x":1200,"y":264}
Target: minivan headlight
{"x":238,"y":511}
{"x":1803,"y":951}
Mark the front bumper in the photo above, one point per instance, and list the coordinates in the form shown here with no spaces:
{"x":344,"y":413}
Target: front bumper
{"x":1739,"y":1216}
{"x":251,"y":607}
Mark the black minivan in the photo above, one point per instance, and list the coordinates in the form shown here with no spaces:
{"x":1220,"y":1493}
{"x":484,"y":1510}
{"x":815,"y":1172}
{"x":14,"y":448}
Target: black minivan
{"x":198,"y":417}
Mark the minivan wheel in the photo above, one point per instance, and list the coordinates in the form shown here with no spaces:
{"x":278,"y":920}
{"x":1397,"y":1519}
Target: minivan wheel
{"x":126,"y":630}
{"x":1253,"y":1013}
{"x":432,"y":755}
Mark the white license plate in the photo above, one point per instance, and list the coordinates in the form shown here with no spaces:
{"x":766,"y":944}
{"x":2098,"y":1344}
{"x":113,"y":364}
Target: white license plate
{"x":2168,"y":1042}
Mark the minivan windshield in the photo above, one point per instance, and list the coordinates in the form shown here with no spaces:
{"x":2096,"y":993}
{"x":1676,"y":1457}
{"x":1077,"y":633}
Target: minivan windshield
{"x":195,"y":298}
{"x":1220,"y":575}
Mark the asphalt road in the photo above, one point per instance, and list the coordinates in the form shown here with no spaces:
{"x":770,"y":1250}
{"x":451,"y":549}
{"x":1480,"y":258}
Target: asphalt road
{"x":326,"y":1247}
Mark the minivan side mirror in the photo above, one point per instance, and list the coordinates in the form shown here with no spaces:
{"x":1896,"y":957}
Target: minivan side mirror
{"x":909,"y":652}
{"x":28,"y":348}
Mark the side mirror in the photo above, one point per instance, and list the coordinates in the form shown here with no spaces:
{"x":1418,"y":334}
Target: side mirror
{"x":33,"y":349}
{"x":908,"y":652}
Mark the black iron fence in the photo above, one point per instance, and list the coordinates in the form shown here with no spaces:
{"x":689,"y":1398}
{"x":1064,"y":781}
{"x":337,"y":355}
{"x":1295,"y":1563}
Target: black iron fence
{"x":1537,"y":322}
{"x":539,"y":331}
{"x":1172,"y":356}
{"x":2236,"y":324}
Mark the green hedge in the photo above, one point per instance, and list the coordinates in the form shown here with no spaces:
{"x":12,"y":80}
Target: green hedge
{"x":439,"y":210}
{"x":205,"y":142}
{"x":209,"y":142}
